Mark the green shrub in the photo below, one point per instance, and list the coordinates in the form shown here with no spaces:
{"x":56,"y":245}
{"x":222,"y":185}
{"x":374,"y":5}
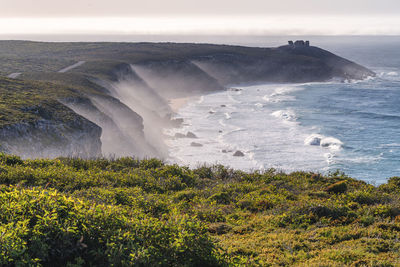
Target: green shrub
{"x":221,"y":198}
{"x":185,"y":195}
{"x":363,"y":197}
{"x":125,"y":212}
{"x":10,"y":159}
{"x":337,"y":188}
{"x":219,"y":228}
{"x":367,"y":220}
{"x":46,"y":227}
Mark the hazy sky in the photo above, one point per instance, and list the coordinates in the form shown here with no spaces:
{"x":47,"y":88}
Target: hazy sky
{"x":201,"y":16}
{"x":50,"y":8}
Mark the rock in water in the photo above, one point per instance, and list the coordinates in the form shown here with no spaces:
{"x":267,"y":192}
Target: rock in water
{"x":176,"y":122}
{"x":196,"y":144}
{"x":190,"y":135}
{"x":238,"y":153}
{"x":179,"y":135}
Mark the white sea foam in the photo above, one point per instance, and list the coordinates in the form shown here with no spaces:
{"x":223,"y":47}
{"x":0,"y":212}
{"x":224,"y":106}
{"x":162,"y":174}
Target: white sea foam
{"x":390,"y":74}
{"x":387,"y":73}
{"x":390,"y":145}
{"x":363,"y":159}
{"x":231,"y":99}
{"x":270,"y":136}
{"x":221,"y":122}
{"x":265,"y":126}
{"x":282,"y":94}
{"x":323,"y":141}
{"x":329,"y":157}
{"x":211,"y":111}
{"x":282,"y":90}
{"x":267,"y":141}
{"x":277,"y":98}
{"x":227,"y":115}
{"x":286,"y":115}
{"x":267,"y":98}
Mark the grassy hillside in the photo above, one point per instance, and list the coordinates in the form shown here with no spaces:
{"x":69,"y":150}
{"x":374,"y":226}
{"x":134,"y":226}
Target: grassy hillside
{"x":124,"y":211}
{"x":28,"y":101}
{"x":101,"y":57}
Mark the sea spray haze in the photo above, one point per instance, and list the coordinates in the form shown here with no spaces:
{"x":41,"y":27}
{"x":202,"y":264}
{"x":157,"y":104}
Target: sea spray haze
{"x":124,"y":88}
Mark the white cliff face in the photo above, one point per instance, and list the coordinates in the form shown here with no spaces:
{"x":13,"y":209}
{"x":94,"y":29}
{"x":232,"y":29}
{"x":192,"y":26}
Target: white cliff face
{"x":122,"y":128}
{"x":106,"y":123}
{"x":50,"y":139}
{"x":139,"y":105}
{"x":112,"y":139}
{"x":134,"y":114}
{"x":152,"y":108}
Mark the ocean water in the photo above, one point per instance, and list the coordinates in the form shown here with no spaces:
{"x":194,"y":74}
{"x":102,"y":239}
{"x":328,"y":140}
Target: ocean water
{"x":353,"y":127}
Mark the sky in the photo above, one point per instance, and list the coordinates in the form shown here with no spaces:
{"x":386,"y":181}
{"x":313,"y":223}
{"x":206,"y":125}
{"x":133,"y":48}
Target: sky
{"x":259,"y":17}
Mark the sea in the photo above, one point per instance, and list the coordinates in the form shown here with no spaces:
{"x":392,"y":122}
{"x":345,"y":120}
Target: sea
{"x":352,"y":127}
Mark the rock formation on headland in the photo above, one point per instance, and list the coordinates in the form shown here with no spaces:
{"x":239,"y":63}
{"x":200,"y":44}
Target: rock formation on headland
{"x":115,"y":102}
{"x":299,"y":43}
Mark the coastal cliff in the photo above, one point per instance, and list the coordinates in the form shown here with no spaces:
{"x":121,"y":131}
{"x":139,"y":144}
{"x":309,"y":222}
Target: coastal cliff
{"x":46,"y":129}
{"x":115,"y":101}
{"x":43,"y":119}
{"x":281,"y":65}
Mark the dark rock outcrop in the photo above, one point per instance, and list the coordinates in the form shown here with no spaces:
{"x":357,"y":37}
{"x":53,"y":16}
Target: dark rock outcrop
{"x":190,"y":135}
{"x":180,"y":135}
{"x":238,"y":153}
{"x":196,"y":144}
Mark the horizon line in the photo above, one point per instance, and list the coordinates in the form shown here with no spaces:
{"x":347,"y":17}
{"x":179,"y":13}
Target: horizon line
{"x":205,"y":25}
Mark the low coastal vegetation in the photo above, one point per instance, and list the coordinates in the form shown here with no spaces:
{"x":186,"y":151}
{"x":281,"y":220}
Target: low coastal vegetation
{"x":120,"y":212}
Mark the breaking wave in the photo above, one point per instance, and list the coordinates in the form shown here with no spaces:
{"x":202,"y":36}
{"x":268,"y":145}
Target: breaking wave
{"x":323,"y":141}
{"x":286,"y":115}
